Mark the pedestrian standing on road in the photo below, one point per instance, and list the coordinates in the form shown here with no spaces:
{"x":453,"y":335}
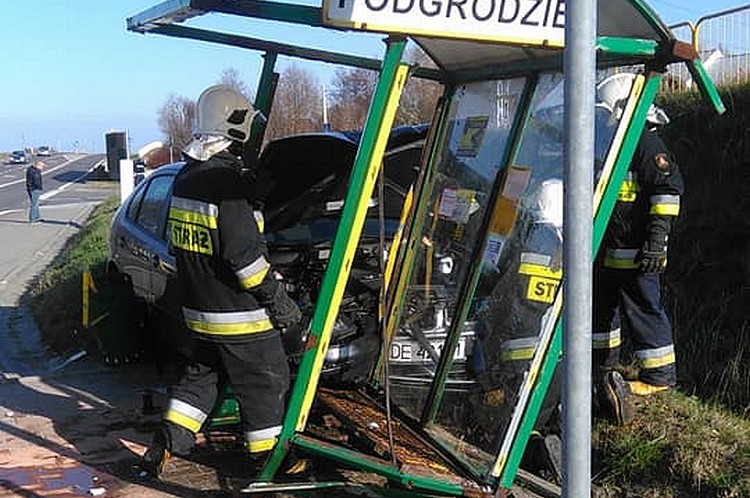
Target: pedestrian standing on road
{"x":627,"y":272}
{"x":232,"y":302}
{"x":34,"y":187}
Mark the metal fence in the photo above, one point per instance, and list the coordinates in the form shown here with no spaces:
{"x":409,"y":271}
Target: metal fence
{"x":723,"y":41}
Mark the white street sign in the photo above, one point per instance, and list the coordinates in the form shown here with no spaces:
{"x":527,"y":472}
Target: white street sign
{"x":527,"y":22}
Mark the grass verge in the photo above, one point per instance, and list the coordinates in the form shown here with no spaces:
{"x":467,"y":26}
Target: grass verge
{"x":677,"y":447}
{"x":56,"y":295}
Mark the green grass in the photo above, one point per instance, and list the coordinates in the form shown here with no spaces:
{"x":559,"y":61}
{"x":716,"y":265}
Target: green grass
{"x":708,"y":280}
{"x":677,"y":446}
{"x":56,"y":295}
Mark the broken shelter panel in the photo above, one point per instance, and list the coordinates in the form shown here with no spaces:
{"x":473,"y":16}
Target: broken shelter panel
{"x":470,"y":157}
{"x":520,"y":277}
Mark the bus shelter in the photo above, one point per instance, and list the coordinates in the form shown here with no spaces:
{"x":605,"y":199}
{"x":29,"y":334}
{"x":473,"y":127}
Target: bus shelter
{"x":471,"y":283}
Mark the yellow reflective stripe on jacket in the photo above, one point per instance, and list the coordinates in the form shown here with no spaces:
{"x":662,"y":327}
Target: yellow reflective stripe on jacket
{"x":657,"y":357}
{"x":259,"y":220}
{"x":665,"y":205}
{"x":227,"y":323}
{"x":185,"y":415}
{"x":262,"y":440}
{"x":518,"y":349}
{"x":606,"y":340}
{"x":629,"y":188}
{"x":538,"y":265}
{"x":196,"y":212}
{"x":254,"y":273}
{"x":190,"y":237}
{"x":621,"y":259}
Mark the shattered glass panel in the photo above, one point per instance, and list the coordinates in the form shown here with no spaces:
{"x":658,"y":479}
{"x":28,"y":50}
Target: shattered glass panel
{"x":470,"y":158}
{"x":511,"y":312}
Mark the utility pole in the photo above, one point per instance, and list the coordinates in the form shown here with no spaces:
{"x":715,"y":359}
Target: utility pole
{"x":326,"y":124}
{"x":580,"y":81}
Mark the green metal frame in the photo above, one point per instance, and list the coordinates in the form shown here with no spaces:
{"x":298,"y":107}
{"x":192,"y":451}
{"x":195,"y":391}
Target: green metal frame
{"x":705,"y":85}
{"x":347,"y":234}
{"x":414,"y":483}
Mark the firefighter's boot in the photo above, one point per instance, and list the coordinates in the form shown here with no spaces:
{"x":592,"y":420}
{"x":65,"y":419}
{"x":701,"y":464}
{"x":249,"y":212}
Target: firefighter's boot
{"x":615,"y":398}
{"x":640,"y":388}
{"x":155,"y":459}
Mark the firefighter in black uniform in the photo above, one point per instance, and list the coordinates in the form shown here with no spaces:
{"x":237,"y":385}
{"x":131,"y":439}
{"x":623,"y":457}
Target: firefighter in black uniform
{"x":231,"y":302}
{"x":529,"y":271}
{"x":627,"y":272}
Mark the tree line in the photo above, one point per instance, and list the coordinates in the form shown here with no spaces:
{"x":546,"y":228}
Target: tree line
{"x":298,"y":102}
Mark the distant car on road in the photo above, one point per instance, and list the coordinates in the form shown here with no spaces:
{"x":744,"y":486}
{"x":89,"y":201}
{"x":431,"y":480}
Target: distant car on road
{"x":18,"y":157}
{"x":43,"y":150}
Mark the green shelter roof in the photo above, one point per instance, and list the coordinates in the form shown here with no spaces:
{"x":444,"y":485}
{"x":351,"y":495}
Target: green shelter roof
{"x":455,"y":56}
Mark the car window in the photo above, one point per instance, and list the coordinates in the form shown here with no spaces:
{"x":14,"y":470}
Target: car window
{"x":151,"y":213}
{"x":135,"y":202}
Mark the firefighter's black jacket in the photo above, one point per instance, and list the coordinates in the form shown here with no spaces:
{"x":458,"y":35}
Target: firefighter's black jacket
{"x":649,"y":198}
{"x":222,"y":266}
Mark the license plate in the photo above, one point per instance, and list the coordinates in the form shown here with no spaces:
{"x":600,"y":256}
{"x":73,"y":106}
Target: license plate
{"x":409,"y":351}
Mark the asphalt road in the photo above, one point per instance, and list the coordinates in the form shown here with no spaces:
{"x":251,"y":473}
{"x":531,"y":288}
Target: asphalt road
{"x":68,"y":426}
{"x":75,"y":426}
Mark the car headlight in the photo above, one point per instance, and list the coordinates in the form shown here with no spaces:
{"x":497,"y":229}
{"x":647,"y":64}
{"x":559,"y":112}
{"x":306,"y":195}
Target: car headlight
{"x":338,"y":353}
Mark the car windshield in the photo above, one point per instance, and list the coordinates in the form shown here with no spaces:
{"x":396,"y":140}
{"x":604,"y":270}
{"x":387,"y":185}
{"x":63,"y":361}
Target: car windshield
{"x":18,"y":153}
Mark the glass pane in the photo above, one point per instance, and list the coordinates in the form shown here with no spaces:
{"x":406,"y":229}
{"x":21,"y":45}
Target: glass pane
{"x":470,"y":157}
{"x":520,"y":276}
{"x":151,"y":216}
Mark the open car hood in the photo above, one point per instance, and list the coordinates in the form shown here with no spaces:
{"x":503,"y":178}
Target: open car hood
{"x":302,"y":177}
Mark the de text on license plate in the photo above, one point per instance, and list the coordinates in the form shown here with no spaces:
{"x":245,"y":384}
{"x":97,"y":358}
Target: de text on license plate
{"x":406,"y":351}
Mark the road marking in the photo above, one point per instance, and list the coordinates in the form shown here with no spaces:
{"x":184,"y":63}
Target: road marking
{"x":51,"y":170}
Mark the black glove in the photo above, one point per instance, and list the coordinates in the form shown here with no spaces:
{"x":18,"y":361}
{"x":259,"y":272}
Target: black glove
{"x":652,"y":257}
{"x":282,"y":310}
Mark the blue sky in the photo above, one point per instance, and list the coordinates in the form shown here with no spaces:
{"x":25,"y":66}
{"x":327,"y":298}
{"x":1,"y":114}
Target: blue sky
{"x":72,"y":71}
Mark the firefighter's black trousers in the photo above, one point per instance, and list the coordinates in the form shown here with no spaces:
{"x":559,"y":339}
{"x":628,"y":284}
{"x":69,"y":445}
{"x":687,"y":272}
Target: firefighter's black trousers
{"x":258,"y":372}
{"x":633,"y":299}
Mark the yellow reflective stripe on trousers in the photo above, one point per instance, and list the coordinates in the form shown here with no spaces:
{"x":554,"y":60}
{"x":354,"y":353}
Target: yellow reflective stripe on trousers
{"x":262,"y":440}
{"x":518,"y":349}
{"x":665,"y":205}
{"x":657,"y":357}
{"x":606,"y":340}
{"x":227,"y":323}
{"x":253,"y":274}
{"x":185,"y":415}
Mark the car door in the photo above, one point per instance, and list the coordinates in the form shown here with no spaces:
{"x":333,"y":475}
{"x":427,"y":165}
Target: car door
{"x":152,"y":219}
{"x":142,"y":238}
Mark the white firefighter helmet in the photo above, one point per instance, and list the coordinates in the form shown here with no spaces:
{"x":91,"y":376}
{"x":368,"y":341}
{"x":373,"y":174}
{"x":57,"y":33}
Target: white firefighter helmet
{"x":657,"y":116}
{"x":613,"y":92}
{"x":547,"y":203}
{"x":223,"y":111}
